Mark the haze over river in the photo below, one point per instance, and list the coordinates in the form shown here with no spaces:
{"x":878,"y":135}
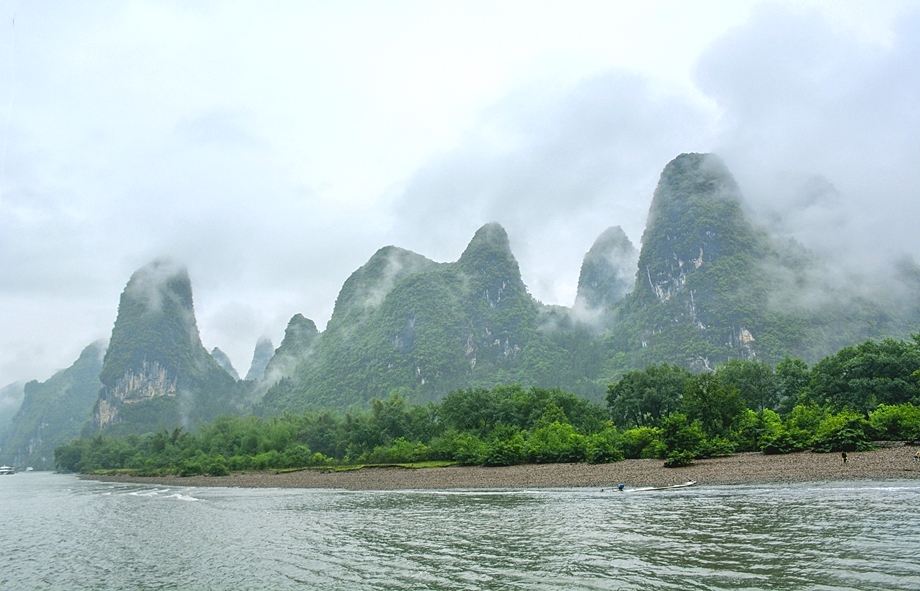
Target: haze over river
{"x":60,"y":532}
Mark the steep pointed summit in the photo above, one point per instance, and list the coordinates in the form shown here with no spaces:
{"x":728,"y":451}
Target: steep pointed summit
{"x":701,"y":293}
{"x":492,"y":271}
{"x":156,"y":371}
{"x":261,"y":355}
{"x":296,"y":346}
{"x":608,"y":271}
{"x":489,"y":251}
{"x":695,"y":219}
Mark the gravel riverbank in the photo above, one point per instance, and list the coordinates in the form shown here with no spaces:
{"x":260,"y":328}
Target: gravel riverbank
{"x":892,"y":461}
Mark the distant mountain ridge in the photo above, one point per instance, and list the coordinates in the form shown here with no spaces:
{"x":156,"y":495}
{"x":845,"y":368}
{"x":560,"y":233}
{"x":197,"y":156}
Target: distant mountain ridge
{"x":706,"y":286}
{"x":53,"y":412}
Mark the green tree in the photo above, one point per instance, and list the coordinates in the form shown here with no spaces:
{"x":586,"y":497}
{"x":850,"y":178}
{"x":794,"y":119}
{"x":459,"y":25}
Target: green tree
{"x":683,"y":440}
{"x":792,"y":379}
{"x":754,"y":379}
{"x":718,"y":407}
{"x":643,"y":397}
{"x":862,"y":377}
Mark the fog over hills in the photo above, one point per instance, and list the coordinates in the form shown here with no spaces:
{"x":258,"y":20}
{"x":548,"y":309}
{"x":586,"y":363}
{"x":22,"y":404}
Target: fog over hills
{"x":708,"y":286}
{"x":274,"y":149}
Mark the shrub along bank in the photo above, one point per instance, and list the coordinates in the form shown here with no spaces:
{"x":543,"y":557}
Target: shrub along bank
{"x":863,"y":393}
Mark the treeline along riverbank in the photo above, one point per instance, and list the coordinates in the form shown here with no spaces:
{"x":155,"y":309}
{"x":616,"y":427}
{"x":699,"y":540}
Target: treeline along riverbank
{"x":865,"y":393}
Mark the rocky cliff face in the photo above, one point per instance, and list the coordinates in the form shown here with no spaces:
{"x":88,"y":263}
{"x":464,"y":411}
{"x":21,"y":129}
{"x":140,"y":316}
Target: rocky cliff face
{"x":156,"y":371}
{"x":698,"y":296}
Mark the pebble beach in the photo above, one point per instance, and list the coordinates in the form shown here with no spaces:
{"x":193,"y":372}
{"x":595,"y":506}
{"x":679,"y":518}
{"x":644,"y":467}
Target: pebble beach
{"x":894,"y":461}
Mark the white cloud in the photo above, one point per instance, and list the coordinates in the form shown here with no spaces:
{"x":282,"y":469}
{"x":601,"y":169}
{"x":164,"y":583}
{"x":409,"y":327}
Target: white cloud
{"x":273,"y":148}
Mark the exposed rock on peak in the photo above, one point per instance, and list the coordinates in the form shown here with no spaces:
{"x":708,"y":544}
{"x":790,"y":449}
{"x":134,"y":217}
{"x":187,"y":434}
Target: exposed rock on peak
{"x":155,"y":355}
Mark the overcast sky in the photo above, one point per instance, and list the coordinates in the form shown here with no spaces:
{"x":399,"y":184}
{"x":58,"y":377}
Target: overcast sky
{"x":272,"y":148}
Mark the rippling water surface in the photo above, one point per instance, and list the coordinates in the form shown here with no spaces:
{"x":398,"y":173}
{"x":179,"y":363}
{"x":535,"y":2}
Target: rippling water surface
{"x":59,"y":532}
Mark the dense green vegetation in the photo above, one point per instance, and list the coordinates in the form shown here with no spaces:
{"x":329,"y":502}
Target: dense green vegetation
{"x":711,"y":287}
{"x":156,"y":373}
{"x":861,"y":394}
{"x":52,"y":412}
{"x":404,"y":323}
{"x":714,"y":295}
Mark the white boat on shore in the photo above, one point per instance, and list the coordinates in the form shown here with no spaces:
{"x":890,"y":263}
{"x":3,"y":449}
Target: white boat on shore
{"x":6,"y":470}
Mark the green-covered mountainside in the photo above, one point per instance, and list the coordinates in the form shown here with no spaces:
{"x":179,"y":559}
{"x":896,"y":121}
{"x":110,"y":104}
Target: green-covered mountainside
{"x":402,"y":322}
{"x":708,"y":286}
{"x":156,"y":373}
{"x":712,"y":287}
{"x":53,"y":412}
{"x":10,"y":400}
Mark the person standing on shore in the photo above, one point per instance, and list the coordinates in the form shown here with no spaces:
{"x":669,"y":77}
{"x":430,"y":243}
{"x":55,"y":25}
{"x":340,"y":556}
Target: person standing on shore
{"x":843,"y":454}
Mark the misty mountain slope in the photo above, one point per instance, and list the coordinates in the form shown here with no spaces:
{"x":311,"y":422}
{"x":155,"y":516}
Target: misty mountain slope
{"x":261,"y":355}
{"x":608,"y":271}
{"x":156,"y":373}
{"x":697,"y":293}
{"x":712,"y":286}
{"x":53,"y":412}
{"x":295,"y":350}
{"x":448,"y":326}
{"x":224,"y":361}
{"x":365,"y":290}
{"x":10,"y":400}
{"x":708,"y":285}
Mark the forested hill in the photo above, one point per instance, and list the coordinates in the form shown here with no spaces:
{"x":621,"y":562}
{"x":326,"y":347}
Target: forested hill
{"x":404,"y":323}
{"x":53,"y":412}
{"x":708,"y":286}
{"x":711,"y":286}
{"x":156,"y":373}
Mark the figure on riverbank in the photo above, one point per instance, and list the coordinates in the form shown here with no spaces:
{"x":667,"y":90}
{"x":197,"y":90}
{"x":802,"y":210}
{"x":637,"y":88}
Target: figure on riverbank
{"x":843,"y":454}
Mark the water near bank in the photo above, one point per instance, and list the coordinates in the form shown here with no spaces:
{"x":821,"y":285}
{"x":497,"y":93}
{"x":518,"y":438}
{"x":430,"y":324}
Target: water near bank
{"x":64,"y":533}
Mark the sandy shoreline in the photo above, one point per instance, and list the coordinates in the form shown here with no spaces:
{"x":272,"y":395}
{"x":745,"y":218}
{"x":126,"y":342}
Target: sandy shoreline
{"x":895,"y":461}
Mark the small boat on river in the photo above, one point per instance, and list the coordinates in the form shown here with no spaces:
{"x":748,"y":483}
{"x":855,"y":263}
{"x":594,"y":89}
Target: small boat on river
{"x":6,"y":470}
{"x":668,"y":487}
{"x":622,"y":488}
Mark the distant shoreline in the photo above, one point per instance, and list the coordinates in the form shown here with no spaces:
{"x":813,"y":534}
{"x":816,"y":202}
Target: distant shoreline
{"x":895,"y":461}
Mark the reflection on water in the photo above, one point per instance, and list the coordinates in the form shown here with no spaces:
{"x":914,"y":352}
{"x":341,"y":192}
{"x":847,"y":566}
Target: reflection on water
{"x":63,"y":533}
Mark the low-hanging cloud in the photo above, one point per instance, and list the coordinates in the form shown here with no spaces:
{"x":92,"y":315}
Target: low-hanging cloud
{"x":213,"y":153}
{"x":555,"y":169}
{"x":820,"y":128}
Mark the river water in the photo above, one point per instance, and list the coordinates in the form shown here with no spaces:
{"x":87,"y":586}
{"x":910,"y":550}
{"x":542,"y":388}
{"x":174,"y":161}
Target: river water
{"x":60,"y":532}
